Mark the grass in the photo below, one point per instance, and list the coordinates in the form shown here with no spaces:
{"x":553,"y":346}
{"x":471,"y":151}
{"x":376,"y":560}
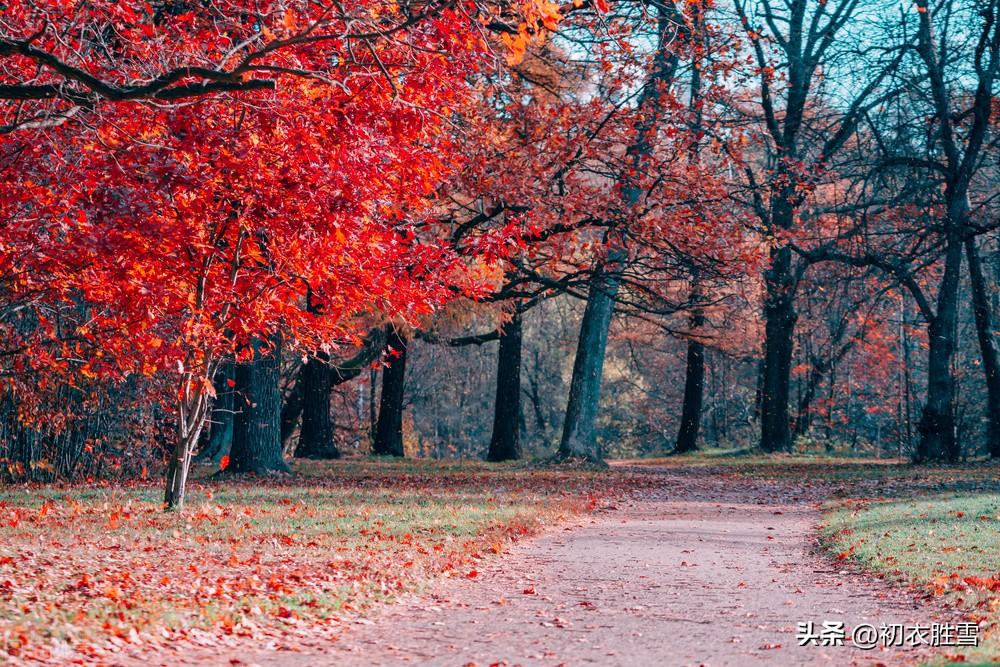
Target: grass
{"x":84,"y":571}
{"x":945,"y":543}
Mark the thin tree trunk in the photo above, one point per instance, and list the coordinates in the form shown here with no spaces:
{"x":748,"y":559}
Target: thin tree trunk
{"x":316,"y":435}
{"x":907,"y":384}
{"x":803,"y":418}
{"x":830,"y":395}
{"x":192,"y":411}
{"x":694,"y":389}
{"x":758,"y":392}
{"x":985,"y":328}
{"x":389,"y":427}
{"x":505,"y":443}
{"x":372,"y":405}
{"x":257,"y":424}
{"x":534,"y":393}
{"x":819,"y":368}
{"x":694,"y":373}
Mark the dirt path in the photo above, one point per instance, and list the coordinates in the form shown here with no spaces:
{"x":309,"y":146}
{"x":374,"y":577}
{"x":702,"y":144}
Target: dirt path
{"x":703,"y":572}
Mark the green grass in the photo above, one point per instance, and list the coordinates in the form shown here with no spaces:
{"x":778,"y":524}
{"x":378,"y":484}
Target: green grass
{"x":82,"y":567}
{"x":944,"y":543}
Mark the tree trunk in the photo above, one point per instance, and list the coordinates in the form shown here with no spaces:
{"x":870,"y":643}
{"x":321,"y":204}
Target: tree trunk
{"x":579,"y":436}
{"x":694,"y":389}
{"x":985,"y":328}
{"x":257,"y":424}
{"x":694,"y":373}
{"x":779,"y":330}
{"x":372,"y":405}
{"x":505,"y":443}
{"x":389,"y":428}
{"x":907,"y":381}
{"x":316,"y":436}
{"x":191,"y":412}
{"x":937,"y":424}
{"x":339,"y":374}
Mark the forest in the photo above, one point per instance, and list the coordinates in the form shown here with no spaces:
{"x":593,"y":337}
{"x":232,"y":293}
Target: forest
{"x":572,"y":248}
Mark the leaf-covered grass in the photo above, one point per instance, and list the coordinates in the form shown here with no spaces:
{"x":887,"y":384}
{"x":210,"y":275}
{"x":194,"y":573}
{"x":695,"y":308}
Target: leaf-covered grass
{"x":86,"y":570}
{"x":945,"y":543}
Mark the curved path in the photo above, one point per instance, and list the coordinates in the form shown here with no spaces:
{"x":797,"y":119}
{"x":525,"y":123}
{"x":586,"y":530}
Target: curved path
{"x":705,"y":571}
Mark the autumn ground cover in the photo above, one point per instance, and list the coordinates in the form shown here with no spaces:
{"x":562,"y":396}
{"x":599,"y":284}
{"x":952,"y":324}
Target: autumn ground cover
{"x":940,"y":536}
{"x":86,"y":572}
{"x":99,"y":571}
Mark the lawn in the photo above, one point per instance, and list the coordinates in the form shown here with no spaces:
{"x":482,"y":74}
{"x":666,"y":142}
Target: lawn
{"x":86,"y":571}
{"x":944,"y":541}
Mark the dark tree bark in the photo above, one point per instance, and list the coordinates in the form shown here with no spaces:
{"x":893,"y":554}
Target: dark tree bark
{"x":291,"y":411}
{"x":372,"y":405}
{"x":938,"y":439}
{"x":257,"y":425}
{"x":694,"y":390}
{"x":801,"y":34}
{"x":316,"y":436}
{"x":505,"y":443}
{"x":985,"y":328}
{"x":937,"y":423}
{"x":960,"y":154}
{"x":907,"y":383}
{"x":218,"y":435}
{"x":779,"y":331}
{"x":389,"y":428}
{"x":579,"y":436}
{"x":534,"y":391}
{"x":340,"y":373}
{"x":694,"y":373}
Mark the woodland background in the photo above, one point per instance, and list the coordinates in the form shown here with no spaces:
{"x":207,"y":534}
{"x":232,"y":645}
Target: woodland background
{"x":587,"y":230}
